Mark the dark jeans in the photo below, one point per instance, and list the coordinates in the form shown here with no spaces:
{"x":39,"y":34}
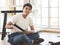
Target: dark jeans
{"x":17,"y":38}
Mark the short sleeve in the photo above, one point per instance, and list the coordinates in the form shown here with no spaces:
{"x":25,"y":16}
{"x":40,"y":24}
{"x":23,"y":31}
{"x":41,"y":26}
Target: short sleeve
{"x":30,"y":21}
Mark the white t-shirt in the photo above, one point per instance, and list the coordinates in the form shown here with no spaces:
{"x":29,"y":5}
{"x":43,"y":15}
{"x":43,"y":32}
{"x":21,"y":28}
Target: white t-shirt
{"x":21,"y":22}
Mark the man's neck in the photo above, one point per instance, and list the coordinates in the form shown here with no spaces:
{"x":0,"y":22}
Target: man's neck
{"x":24,"y":15}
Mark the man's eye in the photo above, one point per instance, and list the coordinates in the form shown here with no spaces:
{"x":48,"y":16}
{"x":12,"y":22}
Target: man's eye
{"x":26,"y":8}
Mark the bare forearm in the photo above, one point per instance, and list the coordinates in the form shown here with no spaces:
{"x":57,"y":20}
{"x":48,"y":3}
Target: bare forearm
{"x":9,"y":26}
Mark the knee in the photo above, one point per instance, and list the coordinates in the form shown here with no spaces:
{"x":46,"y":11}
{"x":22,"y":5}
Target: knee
{"x":17,"y":39}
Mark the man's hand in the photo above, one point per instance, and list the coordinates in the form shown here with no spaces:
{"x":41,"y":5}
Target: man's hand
{"x":9,"y":25}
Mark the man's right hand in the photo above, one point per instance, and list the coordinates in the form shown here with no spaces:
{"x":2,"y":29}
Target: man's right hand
{"x":9,"y":25}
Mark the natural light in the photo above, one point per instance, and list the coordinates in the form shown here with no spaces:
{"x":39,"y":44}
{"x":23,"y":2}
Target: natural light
{"x":45,"y":13}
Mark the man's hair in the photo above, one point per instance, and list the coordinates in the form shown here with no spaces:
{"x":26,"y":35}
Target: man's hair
{"x":28,"y":4}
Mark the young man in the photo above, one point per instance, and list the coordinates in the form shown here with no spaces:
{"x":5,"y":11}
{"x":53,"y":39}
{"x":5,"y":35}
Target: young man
{"x":22,"y":21}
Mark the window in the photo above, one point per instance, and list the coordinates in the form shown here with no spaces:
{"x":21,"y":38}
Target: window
{"x":50,"y":14}
{"x":46,"y":13}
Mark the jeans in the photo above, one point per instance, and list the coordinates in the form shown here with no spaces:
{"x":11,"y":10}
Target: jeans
{"x":17,"y":38}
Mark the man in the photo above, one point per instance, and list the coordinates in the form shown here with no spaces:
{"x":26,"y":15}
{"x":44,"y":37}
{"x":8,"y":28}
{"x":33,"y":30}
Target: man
{"x":23,"y":21}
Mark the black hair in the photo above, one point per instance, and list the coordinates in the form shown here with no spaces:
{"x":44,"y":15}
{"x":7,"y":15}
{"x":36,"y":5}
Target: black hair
{"x":28,"y":4}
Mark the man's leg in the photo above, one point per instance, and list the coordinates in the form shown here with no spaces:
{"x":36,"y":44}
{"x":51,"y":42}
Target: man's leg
{"x":17,"y":39}
{"x":27,"y":40}
{"x":35,"y":38}
{"x":21,"y":38}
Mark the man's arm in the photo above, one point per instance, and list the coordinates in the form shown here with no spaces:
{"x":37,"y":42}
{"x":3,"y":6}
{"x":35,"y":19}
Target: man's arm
{"x":32,"y":28}
{"x":9,"y":25}
{"x":31,"y":31}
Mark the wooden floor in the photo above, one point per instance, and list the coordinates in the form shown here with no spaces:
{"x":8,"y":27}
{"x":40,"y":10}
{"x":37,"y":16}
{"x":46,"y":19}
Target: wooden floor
{"x":4,"y":42}
{"x":54,"y":37}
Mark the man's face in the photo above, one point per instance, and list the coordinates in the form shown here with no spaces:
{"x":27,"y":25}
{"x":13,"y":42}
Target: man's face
{"x":26,"y":10}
